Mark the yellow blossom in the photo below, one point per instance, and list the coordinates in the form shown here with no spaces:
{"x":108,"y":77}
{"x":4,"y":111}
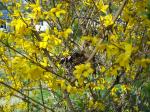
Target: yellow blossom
{"x":107,"y":20}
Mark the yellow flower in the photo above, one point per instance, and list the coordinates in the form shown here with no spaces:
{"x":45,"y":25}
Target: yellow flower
{"x":91,"y":39}
{"x":1,"y":14}
{"x":61,"y":83}
{"x":5,"y":1}
{"x":35,"y":73}
{"x":83,"y":70}
{"x":124,"y":88}
{"x":65,"y":33}
{"x":123,"y":59}
{"x":19,"y":25}
{"x":69,"y":87}
{"x":107,"y":20}
{"x":99,"y":105}
{"x":102,"y":7}
{"x":65,"y":53}
{"x":43,"y":44}
{"x":87,"y":2}
{"x":102,"y":69}
{"x":57,"y":11}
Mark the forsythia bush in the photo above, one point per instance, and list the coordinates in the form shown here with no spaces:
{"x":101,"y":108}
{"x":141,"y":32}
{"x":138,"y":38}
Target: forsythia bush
{"x":91,"y":56}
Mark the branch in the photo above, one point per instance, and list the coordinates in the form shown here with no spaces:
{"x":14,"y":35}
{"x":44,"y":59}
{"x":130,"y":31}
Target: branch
{"x":25,"y":100}
{"x":36,"y":102}
{"x":120,"y":10}
{"x":32,"y":61}
{"x":93,"y":95}
{"x":46,"y":52}
{"x":114,"y":19}
{"x":69,"y":101}
{"x":88,"y":18}
{"x":95,"y":50}
{"x":42,"y":97}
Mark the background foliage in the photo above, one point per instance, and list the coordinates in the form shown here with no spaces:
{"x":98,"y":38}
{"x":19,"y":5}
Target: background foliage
{"x":92,"y":57}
